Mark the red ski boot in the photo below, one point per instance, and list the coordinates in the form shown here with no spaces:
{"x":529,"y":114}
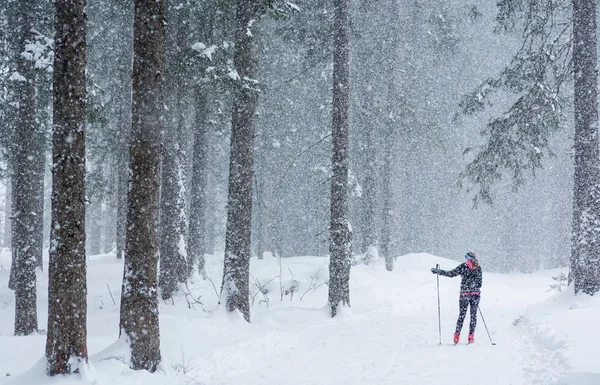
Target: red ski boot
{"x":471,"y":338}
{"x":456,"y":338}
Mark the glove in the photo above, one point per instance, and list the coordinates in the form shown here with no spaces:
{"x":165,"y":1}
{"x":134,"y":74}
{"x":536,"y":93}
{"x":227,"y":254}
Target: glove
{"x":435,"y":270}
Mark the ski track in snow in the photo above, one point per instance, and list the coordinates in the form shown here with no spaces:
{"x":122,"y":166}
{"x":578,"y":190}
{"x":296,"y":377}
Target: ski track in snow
{"x":388,"y":351}
{"x":389,"y":337}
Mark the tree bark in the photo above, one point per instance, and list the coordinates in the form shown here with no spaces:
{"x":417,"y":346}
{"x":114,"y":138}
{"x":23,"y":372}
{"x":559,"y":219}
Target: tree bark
{"x":139,"y":295}
{"x":261,"y":226}
{"x":390,"y":221}
{"x":25,"y":176}
{"x":387,"y":245}
{"x":95,"y":226}
{"x":173,"y":232}
{"x":585,"y":258}
{"x":38,"y":188}
{"x":121,"y":200}
{"x":236,"y":273}
{"x":370,"y":190}
{"x":66,"y":345}
{"x":173,"y":221}
{"x":198,"y":197}
{"x":8,"y":212}
{"x":341,"y":234}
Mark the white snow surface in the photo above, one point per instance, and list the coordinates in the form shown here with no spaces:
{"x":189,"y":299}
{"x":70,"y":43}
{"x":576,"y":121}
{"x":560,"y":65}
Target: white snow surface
{"x":390,"y":336}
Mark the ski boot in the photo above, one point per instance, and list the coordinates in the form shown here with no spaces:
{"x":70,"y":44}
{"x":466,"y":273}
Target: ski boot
{"x":471,"y":338}
{"x":456,"y":338}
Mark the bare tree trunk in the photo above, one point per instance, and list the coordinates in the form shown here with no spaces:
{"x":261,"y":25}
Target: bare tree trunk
{"x":8,"y":211}
{"x":387,"y":244}
{"x":585,"y":258}
{"x":198,"y":200}
{"x":261,"y":241}
{"x":370,"y":190}
{"x":173,"y":232}
{"x":173,"y":221}
{"x":236,"y":272}
{"x":38,"y":188}
{"x":139,"y":295}
{"x":341,"y":235}
{"x":110,"y":213}
{"x":66,"y":344}
{"x":24,"y":176}
{"x":121,"y":202}
{"x":95,"y":226}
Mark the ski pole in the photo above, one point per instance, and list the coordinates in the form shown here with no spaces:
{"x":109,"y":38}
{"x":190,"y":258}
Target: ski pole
{"x":486,"y":328}
{"x":437,"y":266}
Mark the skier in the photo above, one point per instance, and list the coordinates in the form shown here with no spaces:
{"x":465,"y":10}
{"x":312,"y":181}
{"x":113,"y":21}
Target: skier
{"x":470,"y":292}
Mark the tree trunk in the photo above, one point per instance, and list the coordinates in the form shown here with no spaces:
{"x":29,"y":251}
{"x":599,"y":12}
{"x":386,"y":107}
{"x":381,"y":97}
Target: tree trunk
{"x":172,"y":228}
{"x":95,"y":226}
{"x":387,"y":245}
{"x":139,"y":295}
{"x":121,"y":201}
{"x":370,"y":191}
{"x":8,"y":211}
{"x":585,"y":258}
{"x":13,"y":263}
{"x":66,"y":345}
{"x":198,"y":198}
{"x":261,"y":237}
{"x":341,"y":235}
{"x":38,"y":188}
{"x":25,"y":176}
{"x":110,"y":213}
{"x":236,"y":273}
{"x":173,"y":232}
{"x":390,"y":221}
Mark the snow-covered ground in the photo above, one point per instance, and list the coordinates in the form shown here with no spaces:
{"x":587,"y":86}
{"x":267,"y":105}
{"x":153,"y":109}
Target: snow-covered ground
{"x":389,"y":337}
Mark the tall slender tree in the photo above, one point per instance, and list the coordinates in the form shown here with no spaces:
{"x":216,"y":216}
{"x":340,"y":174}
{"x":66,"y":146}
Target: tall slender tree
{"x":389,"y":220}
{"x":236,"y":273}
{"x":196,"y":245}
{"x":173,"y":217}
{"x":369,"y":228}
{"x":139,"y":295}
{"x":7,"y":212}
{"x":198,"y":197}
{"x":26,"y":175}
{"x":340,"y":232}
{"x":585,"y":258}
{"x":122,"y":120}
{"x":66,"y":345}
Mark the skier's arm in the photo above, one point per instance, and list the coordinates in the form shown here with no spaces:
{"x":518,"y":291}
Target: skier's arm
{"x":451,"y":273}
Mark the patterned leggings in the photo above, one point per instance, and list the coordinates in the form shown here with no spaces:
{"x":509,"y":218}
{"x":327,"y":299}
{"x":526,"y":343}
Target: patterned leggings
{"x":464,"y":302}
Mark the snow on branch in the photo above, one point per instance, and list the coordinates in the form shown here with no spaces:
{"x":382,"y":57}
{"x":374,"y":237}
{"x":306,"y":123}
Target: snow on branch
{"x":40,"y":51}
{"x":518,"y":140}
{"x":204,"y":51}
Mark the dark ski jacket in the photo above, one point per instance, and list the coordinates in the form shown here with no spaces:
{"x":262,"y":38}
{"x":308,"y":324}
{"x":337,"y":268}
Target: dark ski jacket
{"x":472,"y":279}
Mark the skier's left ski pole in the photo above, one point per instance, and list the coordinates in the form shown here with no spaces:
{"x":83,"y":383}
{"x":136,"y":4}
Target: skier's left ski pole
{"x":486,"y":328}
{"x":437,"y":266}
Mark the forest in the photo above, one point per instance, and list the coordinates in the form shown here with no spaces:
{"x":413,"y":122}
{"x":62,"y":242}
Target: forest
{"x":166,"y":133}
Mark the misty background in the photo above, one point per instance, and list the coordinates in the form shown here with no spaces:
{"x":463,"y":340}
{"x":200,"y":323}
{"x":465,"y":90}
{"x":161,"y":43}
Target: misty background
{"x":411,"y":62}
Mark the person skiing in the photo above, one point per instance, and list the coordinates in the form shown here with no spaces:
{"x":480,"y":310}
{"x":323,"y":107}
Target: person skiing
{"x":470,"y":292}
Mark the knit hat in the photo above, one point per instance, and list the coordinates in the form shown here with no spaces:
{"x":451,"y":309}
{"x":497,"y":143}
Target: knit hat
{"x":471,"y":258}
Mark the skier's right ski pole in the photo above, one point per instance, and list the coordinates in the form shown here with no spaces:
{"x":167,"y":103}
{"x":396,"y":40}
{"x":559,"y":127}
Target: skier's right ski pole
{"x":486,"y":328}
{"x":437,"y":266}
